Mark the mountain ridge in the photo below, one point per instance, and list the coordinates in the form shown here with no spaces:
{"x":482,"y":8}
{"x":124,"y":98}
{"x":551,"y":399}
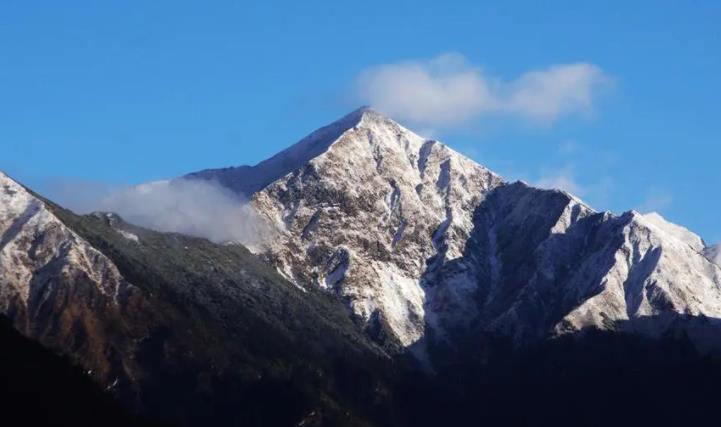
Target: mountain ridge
{"x":342,"y":217}
{"x":246,"y":180}
{"x":178,"y":328}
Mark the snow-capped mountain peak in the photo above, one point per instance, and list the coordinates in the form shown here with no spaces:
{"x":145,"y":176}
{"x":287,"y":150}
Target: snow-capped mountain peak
{"x":247,"y":180}
{"x":422,"y":241}
{"x":364,"y":216}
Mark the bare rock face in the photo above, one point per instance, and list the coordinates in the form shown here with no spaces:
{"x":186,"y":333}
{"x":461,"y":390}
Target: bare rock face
{"x":423,"y":242}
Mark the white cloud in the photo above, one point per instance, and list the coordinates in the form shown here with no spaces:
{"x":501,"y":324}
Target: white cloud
{"x":596,"y":192}
{"x":562,"y":179}
{"x":568,"y":148}
{"x":444,"y":90}
{"x":192,"y":207}
{"x":656,"y":201}
{"x":556,"y":91}
{"x":448,"y":90}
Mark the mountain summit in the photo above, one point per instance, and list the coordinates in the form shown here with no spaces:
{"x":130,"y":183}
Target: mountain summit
{"x":427,"y":246}
{"x":246,"y":180}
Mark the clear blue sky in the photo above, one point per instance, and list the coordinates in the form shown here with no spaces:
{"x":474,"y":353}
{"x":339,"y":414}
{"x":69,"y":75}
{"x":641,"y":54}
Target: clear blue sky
{"x":131,"y":91}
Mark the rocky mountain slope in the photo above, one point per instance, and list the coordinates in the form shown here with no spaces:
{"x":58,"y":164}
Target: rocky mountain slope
{"x":177,"y":327}
{"x":361,"y":210}
{"x":714,"y":253}
{"x":424,"y":244}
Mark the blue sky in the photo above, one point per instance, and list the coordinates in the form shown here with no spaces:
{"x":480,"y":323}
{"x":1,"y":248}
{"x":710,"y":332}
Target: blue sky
{"x":132,"y":91}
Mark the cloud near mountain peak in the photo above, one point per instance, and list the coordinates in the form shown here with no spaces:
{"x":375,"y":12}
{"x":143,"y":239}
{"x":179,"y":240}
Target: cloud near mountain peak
{"x":448,"y":90}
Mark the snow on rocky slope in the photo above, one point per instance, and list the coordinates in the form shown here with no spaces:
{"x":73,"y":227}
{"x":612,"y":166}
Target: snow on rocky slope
{"x":366,"y":212}
{"x":424,"y":242}
{"x":714,"y":253}
{"x":54,"y":286}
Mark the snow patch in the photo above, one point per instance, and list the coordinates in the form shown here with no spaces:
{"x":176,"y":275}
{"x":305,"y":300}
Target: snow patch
{"x":128,"y":235}
{"x":675,"y":231}
{"x":401,"y":300}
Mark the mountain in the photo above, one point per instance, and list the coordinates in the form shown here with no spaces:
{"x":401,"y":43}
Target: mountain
{"x":428,"y":247}
{"x":370,"y":205}
{"x":400,"y":283}
{"x":178,"y":328}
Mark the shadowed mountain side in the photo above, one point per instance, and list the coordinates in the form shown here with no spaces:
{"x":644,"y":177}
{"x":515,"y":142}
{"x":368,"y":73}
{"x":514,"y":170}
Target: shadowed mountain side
{"x":540,"y":263}
{"x":498,"y":271}
{"x":639,"y":370}
{"x":41,"y":388}
{"x":590,"y":378}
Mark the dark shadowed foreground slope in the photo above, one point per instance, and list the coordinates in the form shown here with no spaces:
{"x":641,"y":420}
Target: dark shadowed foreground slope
{"x":599,"y":378}
{"x":41,"y":388}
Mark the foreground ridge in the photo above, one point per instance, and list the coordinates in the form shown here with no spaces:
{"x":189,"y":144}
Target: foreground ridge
{"x":156,"y":319}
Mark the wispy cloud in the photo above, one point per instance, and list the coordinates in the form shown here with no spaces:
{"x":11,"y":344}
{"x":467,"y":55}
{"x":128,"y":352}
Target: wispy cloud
{"x":656,"y":201}
{"x":192,"y":207}
{"x":448,"y":90}
{"x":562,"y":179}
{"x":596,"y":192}
{"x":568,"y":148}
